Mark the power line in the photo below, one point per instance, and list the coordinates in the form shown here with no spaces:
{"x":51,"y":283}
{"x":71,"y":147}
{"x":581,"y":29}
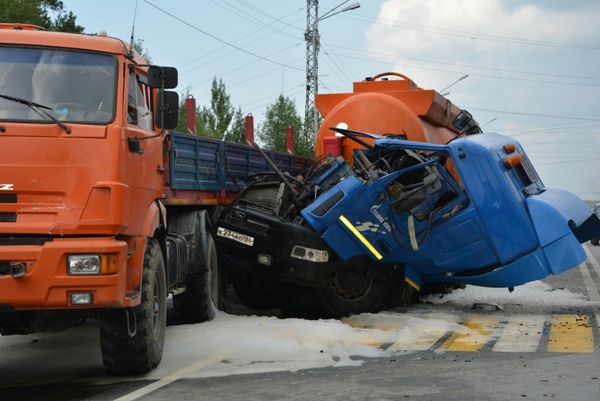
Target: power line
{"x":341,"y":74}
{"x":294,"y":93}
{"x":244,"y":65}
{"x":554,"y":127}
{"x":231,"y":9}
{"x":568,"y":161}
{"x":563,"y":128}
{"x":259,"y":75}
{"x":558,"y":116}
{"x":271,"y":96}
{"x":239,"y":39}
{"x":471,"y":73}
{"x":463,"y":65}
{"x":473,"y":35}
{"x":291,"y":25}
{"x":327,"y":53}
{"x":221,"y":40}
{"x":253,"y":7}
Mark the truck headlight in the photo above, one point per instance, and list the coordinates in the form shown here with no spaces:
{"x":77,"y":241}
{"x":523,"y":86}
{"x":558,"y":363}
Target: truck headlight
{"x":310,"y":254}
{"x":81,"y":265}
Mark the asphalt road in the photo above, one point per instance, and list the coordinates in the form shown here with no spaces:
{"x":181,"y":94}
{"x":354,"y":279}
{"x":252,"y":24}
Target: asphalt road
{"x":527,"y":350}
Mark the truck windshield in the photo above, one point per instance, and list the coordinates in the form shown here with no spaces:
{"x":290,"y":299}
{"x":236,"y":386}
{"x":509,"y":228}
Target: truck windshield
{"x":78,"y":87}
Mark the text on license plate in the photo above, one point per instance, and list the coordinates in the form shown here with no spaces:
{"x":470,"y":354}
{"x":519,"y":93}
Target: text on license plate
{"x":235,"y":236}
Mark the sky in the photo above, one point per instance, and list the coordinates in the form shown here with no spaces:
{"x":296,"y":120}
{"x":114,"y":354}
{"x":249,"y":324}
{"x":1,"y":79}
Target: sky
{"x":533,"y":65}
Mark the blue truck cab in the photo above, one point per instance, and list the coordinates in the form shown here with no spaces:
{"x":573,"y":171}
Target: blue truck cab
{"x":472,"y":211}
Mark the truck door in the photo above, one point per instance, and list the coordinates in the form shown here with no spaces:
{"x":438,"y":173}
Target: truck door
{"x":143,"y":168}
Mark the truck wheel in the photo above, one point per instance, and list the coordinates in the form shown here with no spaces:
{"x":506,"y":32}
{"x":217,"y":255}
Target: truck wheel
{"x":595,"y":241}
{"x":123,"y":353}
{"x":204,"y":290}
{"x":353,"y":290}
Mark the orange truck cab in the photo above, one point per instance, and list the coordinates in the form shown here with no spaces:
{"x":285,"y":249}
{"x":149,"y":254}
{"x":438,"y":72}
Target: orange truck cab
{"x":83,"y":231}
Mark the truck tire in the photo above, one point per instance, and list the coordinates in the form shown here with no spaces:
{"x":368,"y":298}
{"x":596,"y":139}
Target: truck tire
{"x":204,"y":292}
{"x":123,"y":353}
{"x":595,"y":241}
{"x":353,"y":290}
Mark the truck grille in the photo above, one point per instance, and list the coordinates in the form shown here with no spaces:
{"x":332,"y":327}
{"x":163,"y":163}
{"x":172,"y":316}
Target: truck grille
{"x":8,"y":217}
{"x":8,"y":198}
{"x":532,"y":175}
{"x":24,"y":239}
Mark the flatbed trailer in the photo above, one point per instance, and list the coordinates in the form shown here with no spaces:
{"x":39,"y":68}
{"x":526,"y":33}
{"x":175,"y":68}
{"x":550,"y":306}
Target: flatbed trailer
{"x":202,"y":171}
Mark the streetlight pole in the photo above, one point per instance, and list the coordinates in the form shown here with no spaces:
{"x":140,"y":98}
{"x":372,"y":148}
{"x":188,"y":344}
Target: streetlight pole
{"x":312,"y":38}
{"x":454,"y":83}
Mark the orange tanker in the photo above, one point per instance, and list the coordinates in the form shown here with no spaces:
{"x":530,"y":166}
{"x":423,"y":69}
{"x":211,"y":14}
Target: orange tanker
{"x":381,"y":105}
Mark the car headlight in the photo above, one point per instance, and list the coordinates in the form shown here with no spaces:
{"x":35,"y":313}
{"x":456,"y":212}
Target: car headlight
{"x":310,"y":254}
{"x":83,"y":264}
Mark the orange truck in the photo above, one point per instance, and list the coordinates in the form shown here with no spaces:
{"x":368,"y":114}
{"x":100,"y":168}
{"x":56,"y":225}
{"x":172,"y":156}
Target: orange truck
{"x":103,"y":210}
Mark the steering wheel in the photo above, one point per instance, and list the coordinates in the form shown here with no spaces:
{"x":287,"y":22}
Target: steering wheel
{"x":70,"y":107}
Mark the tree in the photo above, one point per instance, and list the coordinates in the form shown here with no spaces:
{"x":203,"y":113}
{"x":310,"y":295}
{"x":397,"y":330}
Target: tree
{"x":215,"y":121}
{"x":281,"y":115}
{"x":138,"y":45}
{"x":237,"y":132}
{"x":38,"y":12}
{"x":182,"y":121}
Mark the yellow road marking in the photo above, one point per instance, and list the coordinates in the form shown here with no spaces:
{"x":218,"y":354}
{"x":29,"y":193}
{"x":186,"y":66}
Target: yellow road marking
{"x":473,"y":339}
{"x":571,"y":333}
{"x":361,"y":237}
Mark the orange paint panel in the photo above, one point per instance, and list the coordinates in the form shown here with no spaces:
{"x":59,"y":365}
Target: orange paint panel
{"x":47,"y":282}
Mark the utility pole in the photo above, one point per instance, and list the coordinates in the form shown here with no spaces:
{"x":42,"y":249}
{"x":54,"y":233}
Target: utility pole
{"x":313,"y":43}
{"x":311,"y":115}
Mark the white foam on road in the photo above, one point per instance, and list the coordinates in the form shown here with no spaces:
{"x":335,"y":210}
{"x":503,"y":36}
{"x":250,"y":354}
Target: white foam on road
{"x":251,"y":344}
{"x":533,"y":295}
{"x":420,"y":331}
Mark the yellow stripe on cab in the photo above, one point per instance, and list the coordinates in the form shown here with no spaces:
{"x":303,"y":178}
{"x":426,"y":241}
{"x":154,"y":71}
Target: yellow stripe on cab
{"x":362,"y":239}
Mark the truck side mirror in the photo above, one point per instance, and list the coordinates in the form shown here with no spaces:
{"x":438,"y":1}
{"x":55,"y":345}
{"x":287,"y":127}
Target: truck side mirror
{"x":162,"y":77}
{"x":167,"y":109}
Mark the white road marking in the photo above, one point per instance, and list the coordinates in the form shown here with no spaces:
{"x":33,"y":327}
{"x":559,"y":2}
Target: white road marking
{"x":164,"y":381}
{"x":593,"y":261}
{"x":522,"y":333}
{"x":589,"y":283}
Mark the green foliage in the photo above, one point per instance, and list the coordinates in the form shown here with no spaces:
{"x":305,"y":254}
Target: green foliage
{"x":237,"y":132}
{"x":216,"y":120}
{"x":220,"y":120}
{"x":182,"y":122}
{"x":38,"y":12}
{"x":138,"y":45}
{"x":279,"y":116}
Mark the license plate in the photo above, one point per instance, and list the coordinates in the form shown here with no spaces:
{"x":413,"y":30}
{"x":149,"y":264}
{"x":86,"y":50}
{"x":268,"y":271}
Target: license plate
{"x":235,"y":236}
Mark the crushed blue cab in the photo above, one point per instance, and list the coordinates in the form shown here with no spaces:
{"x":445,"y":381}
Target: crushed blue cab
{"x":496,"y":226}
